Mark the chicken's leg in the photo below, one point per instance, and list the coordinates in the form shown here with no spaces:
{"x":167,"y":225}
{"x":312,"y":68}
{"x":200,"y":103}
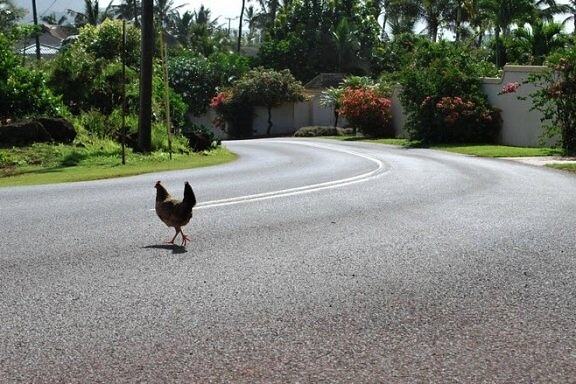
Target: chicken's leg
{"x":185,"y":238}
{"x":178,"y":230}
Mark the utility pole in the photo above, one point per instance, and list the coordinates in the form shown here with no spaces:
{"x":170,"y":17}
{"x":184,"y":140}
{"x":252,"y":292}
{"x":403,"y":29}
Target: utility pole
{"x":146,"y":72}
{"x":240,"y":26}
{"x":37,"y":36}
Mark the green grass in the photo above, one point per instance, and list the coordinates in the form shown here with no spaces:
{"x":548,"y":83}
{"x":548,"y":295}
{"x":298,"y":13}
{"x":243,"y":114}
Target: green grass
{"x":486,"y":150}
{"x":47,"y":163}
{"x":481,"y":150}
{"x":402,"y":142}
{"x":571,"y":167}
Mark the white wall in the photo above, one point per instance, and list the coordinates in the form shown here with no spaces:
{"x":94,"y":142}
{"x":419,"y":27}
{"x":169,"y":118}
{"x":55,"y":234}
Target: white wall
{"x":521,"y":126}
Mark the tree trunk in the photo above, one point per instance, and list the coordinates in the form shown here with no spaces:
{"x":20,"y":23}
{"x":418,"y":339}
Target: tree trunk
{"x":458,"y":22}
{"x":240,"y":26}
{"x":146,"y":71}
{"x":384,"y":22}
{"x":269,"y":130}
{"x":498,"y":42}
{"x":135,"y":10}
{"x":336,"y":116}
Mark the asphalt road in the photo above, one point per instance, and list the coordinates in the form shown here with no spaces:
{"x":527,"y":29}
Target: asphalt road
{"x":310,"y":261}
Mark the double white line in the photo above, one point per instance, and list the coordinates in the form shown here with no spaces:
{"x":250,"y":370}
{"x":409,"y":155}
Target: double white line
{"x":380,"y":168}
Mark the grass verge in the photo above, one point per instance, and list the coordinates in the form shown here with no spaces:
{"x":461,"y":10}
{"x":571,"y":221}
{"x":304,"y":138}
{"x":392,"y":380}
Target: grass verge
{"x":48,"y":164}
{"x":481,"y":150}
{"x":565,"y":167}
{"x":486,"y":150}
{"x":401,"y":142}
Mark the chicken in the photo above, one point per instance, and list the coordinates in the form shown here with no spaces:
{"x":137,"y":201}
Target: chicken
{"x":173,"y":212}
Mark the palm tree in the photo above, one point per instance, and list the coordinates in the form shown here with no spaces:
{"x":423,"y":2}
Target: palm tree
{"x":92,"y":14}
{"x":240,"y":25}
{"x":401,"y":16}
{"x":344,"y":38}
{"x":182,"y":27}
{"x":128,"y":10}
{"x":434,"y":14}
{"x":571,"y":8}
{"x":503,"y":14}
{"x":540,"y":40}
{"x":165,"y":11}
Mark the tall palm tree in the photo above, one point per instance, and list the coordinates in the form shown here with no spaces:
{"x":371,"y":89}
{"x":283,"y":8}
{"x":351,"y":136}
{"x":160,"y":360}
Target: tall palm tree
{"x":434,"y":14}
{"x":503,"y":14}
{"x":343,"y":36}
{"x":92,"y":13}
{"x":540,"y":40}
{"x":182,"y":27}
{"x":240,"y":26}
{"x":128,"y":10}
{"x":165,"y":11}
{"x":401,"y":16}
{"x":571,"y":9}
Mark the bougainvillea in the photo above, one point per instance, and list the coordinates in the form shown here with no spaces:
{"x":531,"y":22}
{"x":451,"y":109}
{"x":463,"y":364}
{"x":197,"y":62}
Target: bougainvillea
{"x":556,"y":98}
{"x":366,"y":110}
{"x":460,"y":119}
{"x":509,"y":88}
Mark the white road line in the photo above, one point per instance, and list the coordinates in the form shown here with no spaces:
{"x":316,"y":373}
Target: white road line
{"x":380,"y":168}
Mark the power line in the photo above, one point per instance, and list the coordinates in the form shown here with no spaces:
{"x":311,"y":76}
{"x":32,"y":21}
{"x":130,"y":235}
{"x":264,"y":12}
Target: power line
{"x":47,"y":9}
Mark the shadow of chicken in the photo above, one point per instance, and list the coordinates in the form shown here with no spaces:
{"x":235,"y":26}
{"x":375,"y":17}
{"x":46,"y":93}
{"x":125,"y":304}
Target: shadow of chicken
{"x":173,"y":212}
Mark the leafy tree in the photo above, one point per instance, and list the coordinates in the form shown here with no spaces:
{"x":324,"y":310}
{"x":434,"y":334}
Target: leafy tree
{"x":86,"y":74}
{"x":306,"y":35}
{"x":268,"y":88}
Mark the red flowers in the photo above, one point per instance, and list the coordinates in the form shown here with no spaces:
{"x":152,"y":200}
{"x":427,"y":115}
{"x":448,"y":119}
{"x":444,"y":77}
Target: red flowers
{"x":509,"y":88}
{"x":219,"y":100}
{"x":365,"y":109}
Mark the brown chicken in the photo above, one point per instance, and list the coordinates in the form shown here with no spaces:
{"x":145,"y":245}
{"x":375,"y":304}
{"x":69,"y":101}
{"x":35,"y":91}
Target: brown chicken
{"x":173,"y":212}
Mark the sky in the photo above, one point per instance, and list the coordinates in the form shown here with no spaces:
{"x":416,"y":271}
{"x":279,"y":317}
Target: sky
{"x":222,"y":8}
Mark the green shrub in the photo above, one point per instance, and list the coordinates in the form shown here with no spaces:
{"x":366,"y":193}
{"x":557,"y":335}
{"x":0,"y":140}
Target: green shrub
{"x":201,"y":138}
{"x":160,"y":140}
{"x":556,"y":98}
{"x":442,"y":96}
{"x":104,"y":41}
{"x":196,"y":78}
{"x":315,"y":130}
{"x":23,"y":91}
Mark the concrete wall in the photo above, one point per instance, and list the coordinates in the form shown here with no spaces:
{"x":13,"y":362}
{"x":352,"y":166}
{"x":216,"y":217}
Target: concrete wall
{"x":521,"y":126}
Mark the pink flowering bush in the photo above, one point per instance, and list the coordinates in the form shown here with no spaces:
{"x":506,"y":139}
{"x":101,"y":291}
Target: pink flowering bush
{"x":509,"y":88}
{"x":461,"y":119}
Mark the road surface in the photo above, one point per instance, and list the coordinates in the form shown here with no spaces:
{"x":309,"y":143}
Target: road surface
{"x":311,"y":261}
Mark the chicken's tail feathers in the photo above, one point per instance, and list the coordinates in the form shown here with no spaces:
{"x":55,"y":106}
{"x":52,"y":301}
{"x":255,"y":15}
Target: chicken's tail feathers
{"x":161,"y":192}
{"x":189,"y":196}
